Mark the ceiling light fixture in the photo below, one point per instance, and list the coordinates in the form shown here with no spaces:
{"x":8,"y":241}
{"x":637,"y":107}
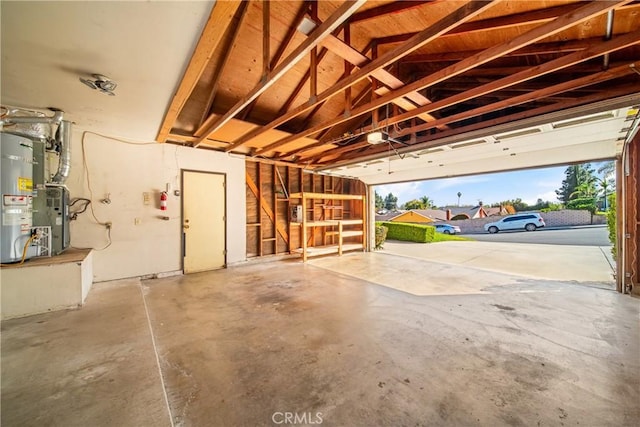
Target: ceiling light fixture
{"x":102,"y":83}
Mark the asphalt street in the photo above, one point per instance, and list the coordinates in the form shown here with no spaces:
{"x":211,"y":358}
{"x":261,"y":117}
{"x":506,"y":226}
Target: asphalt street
{"x":594,"y":235}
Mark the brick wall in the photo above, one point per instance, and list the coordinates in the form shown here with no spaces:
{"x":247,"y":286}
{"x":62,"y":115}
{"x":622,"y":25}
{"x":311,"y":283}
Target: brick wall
{"x":551,"y":219}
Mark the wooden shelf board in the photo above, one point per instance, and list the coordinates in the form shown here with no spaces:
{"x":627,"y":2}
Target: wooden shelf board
{"x":326,"y":196}
{"x":333,"y":222}
{"x":330,"y":249}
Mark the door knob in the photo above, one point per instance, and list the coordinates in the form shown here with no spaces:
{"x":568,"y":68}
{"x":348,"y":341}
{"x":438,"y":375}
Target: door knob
{"x":185,"y":226}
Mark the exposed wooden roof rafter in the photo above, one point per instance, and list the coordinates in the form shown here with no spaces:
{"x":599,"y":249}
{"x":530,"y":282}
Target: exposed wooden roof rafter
{"x":342,"y":156}
{"x":278,"y":55}
{"x":215,"y":28}
{"x":612,"y":73}
{"x":528,"y":74}
{"x":303,"y":81}
{"x":239,"y":16}
{"x":387,"y":9}
{"x":452,"y":20}
{"x":535,"y":49}
{"x":570,"y":19}
{"x":271,"y":80}
{"x":491,"y":24}
{"x":335,"y":20}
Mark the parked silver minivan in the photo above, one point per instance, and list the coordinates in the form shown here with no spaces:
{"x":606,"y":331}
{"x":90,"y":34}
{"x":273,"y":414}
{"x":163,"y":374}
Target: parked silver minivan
{"x":524,"y":221}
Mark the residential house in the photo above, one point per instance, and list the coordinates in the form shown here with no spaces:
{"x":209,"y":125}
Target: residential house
{"x":419,"y":216}
{"x":479,"y":211}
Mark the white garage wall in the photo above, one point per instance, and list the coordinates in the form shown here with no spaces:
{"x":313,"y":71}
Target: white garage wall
{"x":125,"y":172}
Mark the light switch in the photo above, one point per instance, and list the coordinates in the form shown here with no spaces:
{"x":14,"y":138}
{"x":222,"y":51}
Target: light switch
{"x":137,"y":221}
{"x":146,"y":198}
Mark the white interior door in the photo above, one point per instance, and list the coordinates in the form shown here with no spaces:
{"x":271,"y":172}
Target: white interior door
{"x":203,"y":221}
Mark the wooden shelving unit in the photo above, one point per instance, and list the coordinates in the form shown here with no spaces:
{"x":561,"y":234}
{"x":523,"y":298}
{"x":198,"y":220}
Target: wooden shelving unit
{"x":332,"y":223}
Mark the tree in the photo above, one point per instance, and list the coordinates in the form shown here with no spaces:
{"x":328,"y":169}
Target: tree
{"x":605,"y":188}
{"x":413,"y":204}
{"x":427,"y":203}
{"x":583,"y":203}
{"x":576,"y":176}
{"x":584,"y":190}
{"x":379,"y":201}
{"x":390,"y":202}
{"x":606,"y":184}
{"x":423,"y":202}
{"x":607,"y":168}
{"x":517,"y":204}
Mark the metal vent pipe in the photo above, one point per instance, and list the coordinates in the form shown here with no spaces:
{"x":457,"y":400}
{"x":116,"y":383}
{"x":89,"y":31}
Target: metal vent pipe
{"x":63,"y":137}
{"x":56,"y":118}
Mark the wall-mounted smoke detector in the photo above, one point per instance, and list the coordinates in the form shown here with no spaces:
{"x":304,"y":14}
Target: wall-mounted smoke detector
{"x":102,"y":83}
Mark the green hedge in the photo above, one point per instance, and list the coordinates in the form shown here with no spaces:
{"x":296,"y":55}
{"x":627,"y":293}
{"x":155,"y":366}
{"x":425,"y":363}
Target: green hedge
{"x":409,"y":232}
{"x":381,"y":235}
{"x":612,"y":224}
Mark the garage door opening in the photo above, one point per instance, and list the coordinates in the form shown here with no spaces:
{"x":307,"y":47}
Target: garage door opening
{"x":545,"y":223}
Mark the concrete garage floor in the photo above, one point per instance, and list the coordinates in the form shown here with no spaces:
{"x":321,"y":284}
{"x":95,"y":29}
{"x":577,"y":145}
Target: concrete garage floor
{"x":246,"y":345}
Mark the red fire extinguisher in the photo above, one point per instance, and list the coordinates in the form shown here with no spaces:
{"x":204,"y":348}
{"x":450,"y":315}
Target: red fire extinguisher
{"x":163,"y":201}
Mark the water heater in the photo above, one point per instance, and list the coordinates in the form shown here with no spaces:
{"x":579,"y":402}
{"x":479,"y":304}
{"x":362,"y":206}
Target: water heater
{"x":16,"y":184}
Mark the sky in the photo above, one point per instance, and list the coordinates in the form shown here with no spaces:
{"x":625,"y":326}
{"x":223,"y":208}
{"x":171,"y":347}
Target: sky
{"x":528,"y":185}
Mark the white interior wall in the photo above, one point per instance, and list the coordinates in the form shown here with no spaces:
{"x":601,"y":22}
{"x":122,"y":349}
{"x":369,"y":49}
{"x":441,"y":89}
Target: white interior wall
{"x":125,"y":172}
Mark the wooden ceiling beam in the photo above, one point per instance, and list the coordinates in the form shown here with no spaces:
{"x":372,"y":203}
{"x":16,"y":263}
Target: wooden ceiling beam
{"x":348,"y":67}
{"x":309,"y":117}
{"x":535,"y":49}
{"x":545,"y":92}
{"x":452,"y":20}
{"x":512,"y":91}
{"x":214,"y":30}
{"x":571,"y":19}
{"x":491,"y":24}
{"x":266,"y":38}
{"x":352,"y":56}
{"x":428,"y":141}
{"x":386,"y":9}
{"x":303,"y":81}
{"x":277,"y":56}
{"x":321,"y":141}
{"x":360,"y":98}
{"x":618,"y":43}
{"x":237,"y":19}
{"x":333,"y":22}
{"x":481,"y":73}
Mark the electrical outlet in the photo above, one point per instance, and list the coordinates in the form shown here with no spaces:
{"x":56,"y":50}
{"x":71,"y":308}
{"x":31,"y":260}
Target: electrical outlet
{"x":137,"y":221}
{"x":146,"y":198}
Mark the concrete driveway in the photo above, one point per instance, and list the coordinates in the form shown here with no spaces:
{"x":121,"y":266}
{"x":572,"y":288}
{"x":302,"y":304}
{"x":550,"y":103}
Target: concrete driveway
{"x":584,"y":264}
{"x":589,"y":235}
